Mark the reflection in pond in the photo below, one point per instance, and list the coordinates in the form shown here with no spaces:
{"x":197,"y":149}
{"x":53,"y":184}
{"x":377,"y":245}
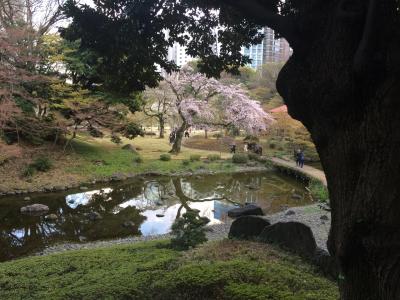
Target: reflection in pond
{"x":138,"y":207}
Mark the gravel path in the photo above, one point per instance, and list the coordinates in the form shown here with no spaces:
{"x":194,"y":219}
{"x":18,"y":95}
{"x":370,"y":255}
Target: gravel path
{"x":309,"y":215}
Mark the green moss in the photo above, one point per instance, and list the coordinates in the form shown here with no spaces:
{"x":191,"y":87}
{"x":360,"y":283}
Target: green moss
{"x":152,"y":270}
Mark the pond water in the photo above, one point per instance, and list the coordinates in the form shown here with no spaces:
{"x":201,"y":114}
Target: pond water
{"x":139,"y":207}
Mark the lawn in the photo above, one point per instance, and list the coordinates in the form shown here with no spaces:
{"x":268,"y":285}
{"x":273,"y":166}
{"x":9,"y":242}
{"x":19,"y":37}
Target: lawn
{"x":151,"y":270}
{"x":117,"y":160}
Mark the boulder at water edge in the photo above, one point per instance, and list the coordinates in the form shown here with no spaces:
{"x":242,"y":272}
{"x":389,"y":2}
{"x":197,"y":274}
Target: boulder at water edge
{"x":294,"y":236}
{"x":35,"y":209}
{"x":248,"y":210}
{"x":247,"y":227}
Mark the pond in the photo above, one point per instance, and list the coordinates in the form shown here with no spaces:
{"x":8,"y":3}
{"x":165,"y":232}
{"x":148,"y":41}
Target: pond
{"x":140,"y":207}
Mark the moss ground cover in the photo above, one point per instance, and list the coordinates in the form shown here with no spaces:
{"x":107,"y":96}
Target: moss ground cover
{"x":152,"y":270}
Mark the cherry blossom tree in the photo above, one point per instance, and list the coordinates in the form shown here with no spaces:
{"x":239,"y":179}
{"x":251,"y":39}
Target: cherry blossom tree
{"x":206,"y":102}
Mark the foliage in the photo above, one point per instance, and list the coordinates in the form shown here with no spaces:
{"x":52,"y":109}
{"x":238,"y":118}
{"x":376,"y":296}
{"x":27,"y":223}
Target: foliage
{"x":28,"y":171}
{"x":188,"y":231}
{"x":116,"y":139}
{"x":186,"y":162}
{"x":213,"y":157}
{"x":319,"y":191}
{"x":195,"y":157}
{"x":151,"y":270}
{"x":251,"y":138}
{"x":165,"y":157}
{"x":138,"y":160}
{"x":240,"y":158}
{"x":253,"y":156}
{"x":132,"y":130}
{"x":41,"y":164}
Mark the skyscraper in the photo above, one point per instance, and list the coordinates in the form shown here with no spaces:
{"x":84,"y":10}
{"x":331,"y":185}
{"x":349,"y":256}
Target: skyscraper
{"x":270,"y":50}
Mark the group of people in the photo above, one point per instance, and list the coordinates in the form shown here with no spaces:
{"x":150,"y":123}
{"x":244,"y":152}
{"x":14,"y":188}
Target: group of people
{"x":256,"y":148}
{"x":172,"y":135}
{"x":299,"y":157}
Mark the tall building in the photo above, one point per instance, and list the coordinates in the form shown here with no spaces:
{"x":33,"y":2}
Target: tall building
{"x":177,"y":54}
{"x":270,"y":50}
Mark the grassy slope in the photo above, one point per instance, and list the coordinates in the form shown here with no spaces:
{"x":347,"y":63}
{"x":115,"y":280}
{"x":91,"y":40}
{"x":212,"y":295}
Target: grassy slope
{"x":77,"y":164}
{"x":219,"y":270}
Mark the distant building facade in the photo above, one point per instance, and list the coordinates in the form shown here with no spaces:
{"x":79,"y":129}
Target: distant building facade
{"x":270,"y":50}
{"x":177,"y":54}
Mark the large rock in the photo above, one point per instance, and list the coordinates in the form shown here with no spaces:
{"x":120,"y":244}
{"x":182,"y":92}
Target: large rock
{"x":248,"y":210}
{"x":247,"y":227}
{"x":293,"y":236}
{"x":35,"y":209}
{"x":326,"y":263}
{"x":130,"y":148}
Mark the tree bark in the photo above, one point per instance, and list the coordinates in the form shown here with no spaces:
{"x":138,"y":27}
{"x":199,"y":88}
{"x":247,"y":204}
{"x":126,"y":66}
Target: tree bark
{"x":162,"y":127}
{"x":176,"y":148}
{"x":205,"y":133}
{"x":361,"y":160}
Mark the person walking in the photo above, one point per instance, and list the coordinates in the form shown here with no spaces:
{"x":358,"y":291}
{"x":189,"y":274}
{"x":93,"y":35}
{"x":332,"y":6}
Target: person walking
{"x":301,"y":159}
{"x":297,"y":157}
{"x":233,"y":148}
{"x":245,"y":148}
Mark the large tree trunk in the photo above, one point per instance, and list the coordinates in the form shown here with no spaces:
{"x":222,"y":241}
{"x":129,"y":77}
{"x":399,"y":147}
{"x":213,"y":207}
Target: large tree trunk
{"x":162,"y":127}
{"x":176,"y":147}
{"x":361,"y":158}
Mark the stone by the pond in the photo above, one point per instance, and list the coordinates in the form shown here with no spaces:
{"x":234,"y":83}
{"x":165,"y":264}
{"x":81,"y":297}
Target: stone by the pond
{"x":293,"y":236}
{"x":35,"y":209}
{"x":27,"y":198}
{"x":290,"y":213}
{"x":324,"y":218}
{"x":160,"y":215}
{"x":247,"y":227}
{"x":83,"y":188}
{"x":297,"y":196}
{"x":51,"y":217}
{"x":128,"y":224}
{"x":248,"y":210}
{"x":94,"y":216}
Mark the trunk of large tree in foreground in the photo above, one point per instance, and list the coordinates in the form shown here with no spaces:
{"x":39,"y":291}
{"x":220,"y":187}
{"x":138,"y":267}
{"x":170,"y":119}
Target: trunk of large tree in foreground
{"x":343,"y":84}
{"x":360,"y":152}
{"x":362,"y":161}
{"x":176,"y":147}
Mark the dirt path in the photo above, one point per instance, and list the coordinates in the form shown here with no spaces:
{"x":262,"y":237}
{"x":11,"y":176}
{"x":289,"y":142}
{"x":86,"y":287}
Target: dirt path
{"x":306,"y":170}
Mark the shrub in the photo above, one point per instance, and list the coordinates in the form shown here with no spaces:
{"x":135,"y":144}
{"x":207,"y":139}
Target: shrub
{"x":253,"y":156}
{"x":240,"y":158}
{"x":132,"y":130}
{"x":165,"y":157}
{"x":42,"y":164}
{"x":138,"y":160}
{"x":185,"y":162}
{"x":195,"y":157}
{"x":218,"y":135}
{"x":116,"y":139}
{"x":251,"y":138}
{"x":94,"y":132}
{"x":188,"y":230}
{"x":213,"y":157}
{"x":29,"y":171}
{"x":319,"y":191}
{"x":272,"y":145}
